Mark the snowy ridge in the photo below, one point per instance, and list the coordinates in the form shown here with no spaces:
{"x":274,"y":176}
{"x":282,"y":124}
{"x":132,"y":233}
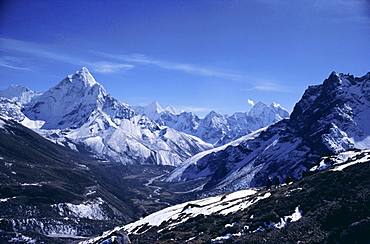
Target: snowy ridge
{"x":216,"y":128}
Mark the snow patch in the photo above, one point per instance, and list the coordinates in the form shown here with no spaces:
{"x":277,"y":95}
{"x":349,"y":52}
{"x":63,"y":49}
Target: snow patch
{"x":89,"y":209}
{"x":297,"y":215}
{"x":20,"y":238}
{"x":220,"y":204}
{"x":364,"y":159}
{"x":343,"y":160}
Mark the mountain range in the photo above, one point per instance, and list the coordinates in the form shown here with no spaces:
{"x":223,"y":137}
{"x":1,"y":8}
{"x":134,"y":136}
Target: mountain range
{"x":216,"y":128}
{"x":80,"y":114}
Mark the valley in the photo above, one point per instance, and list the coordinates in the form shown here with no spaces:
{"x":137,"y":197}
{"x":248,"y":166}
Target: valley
{"x":79,"y":166}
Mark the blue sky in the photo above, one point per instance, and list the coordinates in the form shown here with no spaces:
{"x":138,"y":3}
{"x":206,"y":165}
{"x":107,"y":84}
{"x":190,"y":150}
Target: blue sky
{"x":195,"y":55}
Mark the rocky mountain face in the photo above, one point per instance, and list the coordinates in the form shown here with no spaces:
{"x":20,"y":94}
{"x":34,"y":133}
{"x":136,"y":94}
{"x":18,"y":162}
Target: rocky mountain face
{"x":79,"y":113}
{"x":216,"y":128}
{"x":330,"y":118}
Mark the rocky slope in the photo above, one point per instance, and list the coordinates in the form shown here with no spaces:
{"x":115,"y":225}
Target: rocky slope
{"x":330,"y":118}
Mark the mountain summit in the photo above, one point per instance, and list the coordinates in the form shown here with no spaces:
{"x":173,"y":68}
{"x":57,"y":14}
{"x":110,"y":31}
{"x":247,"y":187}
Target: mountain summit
{"x":69,"y":102}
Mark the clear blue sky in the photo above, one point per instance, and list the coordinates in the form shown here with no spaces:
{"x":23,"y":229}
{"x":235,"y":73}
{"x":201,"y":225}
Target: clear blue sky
{"x":196,"y":55}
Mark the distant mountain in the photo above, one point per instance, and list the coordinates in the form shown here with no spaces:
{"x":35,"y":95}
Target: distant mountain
{"x":19,"y":94}
{"x":216,"y":128}
{"x":80,"y":114}
{"x":328,"y":206}
{"x":330,"y":118}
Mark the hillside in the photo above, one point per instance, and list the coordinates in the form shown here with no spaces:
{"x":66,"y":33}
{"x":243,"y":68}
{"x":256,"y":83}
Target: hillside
{"x":328,"y":206}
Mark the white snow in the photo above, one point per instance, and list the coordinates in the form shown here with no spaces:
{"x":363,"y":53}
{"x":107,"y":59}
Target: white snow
{"x":337,"y":140}
{"x":230,"y":225}
{"x":6,"y":199}
{"x":221,"y":204}
{"x":32,"y":184}
{"x":79,"y":111}
{"x":221,"y":238}
{"x":364,"y":159}
{"x":8,"y":165}
{"x":332,"y":160}
{"x":72,"y":235}
{"x":89,"y":209}
{"x":18,"y":94}
{"x":297,"y":215}
{"x":182,"y":212}
{"x":343,"y":160}
{"x":20,"y":238}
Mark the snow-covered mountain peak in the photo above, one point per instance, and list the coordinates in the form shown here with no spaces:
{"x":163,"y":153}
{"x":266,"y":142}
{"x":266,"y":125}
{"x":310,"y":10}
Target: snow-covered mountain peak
{"x":19,"y":94}
{"x":69,"y":102}
{"x":215,"y":118}
{"x":14,"y":90}
{"x":267,"y":115}
{"x":84,"y":77}
{"x":258,"y":109}
{"x":81,"y":82}
{"x":275,"y":105}
{"x":214,"y":113}
{"x":215,"y":127}
{"x":173,"y":110}
{"x":154,"y":107}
